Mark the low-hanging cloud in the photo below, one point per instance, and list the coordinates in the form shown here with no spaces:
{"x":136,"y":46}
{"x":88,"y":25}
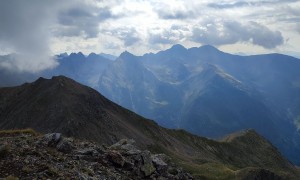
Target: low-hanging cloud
{"x":24,"y":31}
{"x":28,"y":26}
{"x":230,"y":32}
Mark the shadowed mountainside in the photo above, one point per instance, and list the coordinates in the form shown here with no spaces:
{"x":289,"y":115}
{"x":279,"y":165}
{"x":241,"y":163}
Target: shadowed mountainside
{"x":63,"y":105}
{"x":211,"y":93}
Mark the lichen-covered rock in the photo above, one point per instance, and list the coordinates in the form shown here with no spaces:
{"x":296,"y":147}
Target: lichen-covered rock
{"x":55,"y":157}
{"x":147,"y":167}
{"x":126,"y":147}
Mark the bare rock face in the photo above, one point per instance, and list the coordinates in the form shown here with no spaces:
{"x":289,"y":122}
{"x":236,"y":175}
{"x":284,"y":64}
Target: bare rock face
{"x":144,"y":164}
{"x":53,"y":156}
{"x":65,"y":145}
{"x":57,"y":141}
{"x":52,"y":139}
{"x":116,"y":158}
{"x":159,"y":163}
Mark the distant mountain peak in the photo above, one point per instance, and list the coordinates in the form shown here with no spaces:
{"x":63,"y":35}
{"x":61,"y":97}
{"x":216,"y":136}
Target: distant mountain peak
{"x":126,"y":55}
{"x":80,"y":54}
{"x":77,"y":55}
{"x":207,"y":46}
{"x":63,"y":54}
{"x":92,"y":54}
{"x":178,"y":47}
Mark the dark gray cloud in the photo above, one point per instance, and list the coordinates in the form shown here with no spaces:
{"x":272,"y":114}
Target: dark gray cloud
{"x":230,"y":32}
{"x":82,"y":20}
{"x":177,"y":14}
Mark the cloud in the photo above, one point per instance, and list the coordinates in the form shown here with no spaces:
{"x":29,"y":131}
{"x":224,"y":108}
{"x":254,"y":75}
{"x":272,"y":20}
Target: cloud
{"x":25,"y":31}
{"x":173,"y":35}
{"x":239,"y":4}
{"x":177,"y":10}
{"x":228,"y":5}
{"x":82,"y":19}
{"x":221,"y":32}
{"x":174,"y":14}
{"x":298,"y":28}
{"x":33,"y":28}
{"x":128,"y":35}
{"x":28,"y":28}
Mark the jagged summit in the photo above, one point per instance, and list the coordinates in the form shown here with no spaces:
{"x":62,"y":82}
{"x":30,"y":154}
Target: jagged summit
{"x":56,"y":81}
{"x":78,"y":55}
{"x":126,"y":55}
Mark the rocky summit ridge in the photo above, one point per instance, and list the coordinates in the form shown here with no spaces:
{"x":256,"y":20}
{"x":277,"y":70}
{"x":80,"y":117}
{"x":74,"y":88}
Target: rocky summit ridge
{"x":53,"y":156}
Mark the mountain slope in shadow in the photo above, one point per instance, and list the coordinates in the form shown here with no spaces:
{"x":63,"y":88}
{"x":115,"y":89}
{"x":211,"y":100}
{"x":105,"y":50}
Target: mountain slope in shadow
{"x":62,"y":105}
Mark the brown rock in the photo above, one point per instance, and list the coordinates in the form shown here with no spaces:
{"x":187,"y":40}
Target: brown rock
{"x":116,"y":158}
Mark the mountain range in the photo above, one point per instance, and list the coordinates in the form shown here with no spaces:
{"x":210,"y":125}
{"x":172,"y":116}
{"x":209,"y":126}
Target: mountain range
{"x":211,"y":93}
{"x":62,"y":105}
{"x":202,"y":90}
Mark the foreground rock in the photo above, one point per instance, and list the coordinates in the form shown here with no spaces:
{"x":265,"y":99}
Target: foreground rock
{"x":52,"y":156}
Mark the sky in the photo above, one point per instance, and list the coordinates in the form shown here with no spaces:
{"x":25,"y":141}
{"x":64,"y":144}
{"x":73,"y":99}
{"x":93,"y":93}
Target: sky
{"x":35,"y":30}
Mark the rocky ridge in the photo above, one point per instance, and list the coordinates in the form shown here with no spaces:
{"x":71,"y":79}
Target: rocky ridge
{"x":52,"y":156}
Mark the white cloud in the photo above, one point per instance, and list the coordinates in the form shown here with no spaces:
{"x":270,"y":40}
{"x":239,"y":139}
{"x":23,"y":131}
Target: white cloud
{"x":36,"y":27}
{"x":221,"y":32}
{"x":24,"y":30}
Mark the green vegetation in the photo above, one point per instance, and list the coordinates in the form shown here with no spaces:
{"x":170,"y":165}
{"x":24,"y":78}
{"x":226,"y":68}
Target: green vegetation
{"x":211,"y":159}
{"x":209,"y":170}
{"x":201,"y":171}
{"x":11,"y":178}
{"x":18,"y":132}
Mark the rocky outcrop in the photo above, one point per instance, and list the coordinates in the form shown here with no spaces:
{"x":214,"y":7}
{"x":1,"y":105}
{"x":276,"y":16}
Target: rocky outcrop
{"x":53,"y":156}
